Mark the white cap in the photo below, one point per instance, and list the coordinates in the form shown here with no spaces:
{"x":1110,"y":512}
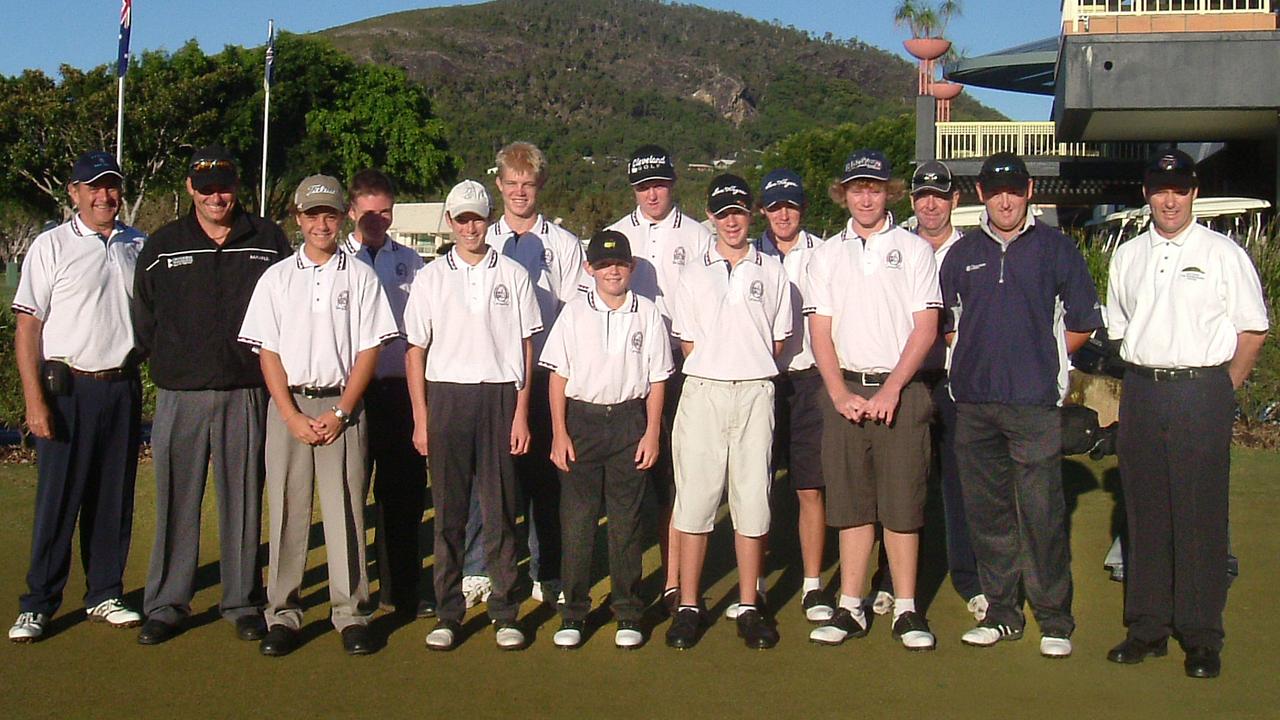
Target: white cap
{"x":467,"y":196}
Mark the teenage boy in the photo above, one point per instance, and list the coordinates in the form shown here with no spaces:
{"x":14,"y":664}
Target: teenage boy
{"x":873,"y":303}
{"x":317,"y":320}
{"x":798,"y":435}
{"x":664,"y":242}
{"x":1019,"y":299}
{"x":610,"y":356}
{"x":469,"y":322}
{"x":73,"y":345}
{"x":553,"y":258}
{"x":398,"y":472}
{"x":732,"y":312}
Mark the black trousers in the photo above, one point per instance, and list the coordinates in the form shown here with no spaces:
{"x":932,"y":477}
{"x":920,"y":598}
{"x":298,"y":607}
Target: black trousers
{"x":399,"y":490}
{"x":86,"y":471}
{"x":540,"y":484}
{"x":469,"y":436}
{"x":962,"y":566}
{"x":1174,"y":447}
{"x":1009,"y":457}
{"x":605,"y":438}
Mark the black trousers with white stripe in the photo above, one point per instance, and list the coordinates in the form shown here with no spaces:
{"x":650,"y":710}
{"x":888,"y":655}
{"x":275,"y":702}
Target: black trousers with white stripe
{"x":1174,"y":447}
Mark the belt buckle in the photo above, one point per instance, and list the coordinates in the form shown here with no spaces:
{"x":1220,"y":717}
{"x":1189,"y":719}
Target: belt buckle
{"x":867,"y":380}
{"x":310,"y":392}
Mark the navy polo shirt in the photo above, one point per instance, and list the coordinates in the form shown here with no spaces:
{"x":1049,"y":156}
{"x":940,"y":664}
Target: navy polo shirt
{"x":1002,"y":302}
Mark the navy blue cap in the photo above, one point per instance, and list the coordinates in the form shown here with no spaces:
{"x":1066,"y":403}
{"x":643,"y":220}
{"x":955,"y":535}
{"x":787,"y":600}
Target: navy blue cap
{"x":650,"y":162}
{"x":782,"y":186}
{"x":1003,"y":171}
{"x":93,"y":165}
{"x":867,"y":164}
{"x":1171,"y":168}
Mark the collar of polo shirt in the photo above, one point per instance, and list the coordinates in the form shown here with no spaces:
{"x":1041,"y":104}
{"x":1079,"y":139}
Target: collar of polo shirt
{"x":500,"y":227}
{"x":79,"y":228}
{"x":456,"y":262}
{"x":672,"y":220}
{"x":629,"y":303}
{"x":305,"y":262}
{"x":804,"y":238}
{"x":1179,"y":240}
{"x":753,"y":255}
{"x":888,"y":227}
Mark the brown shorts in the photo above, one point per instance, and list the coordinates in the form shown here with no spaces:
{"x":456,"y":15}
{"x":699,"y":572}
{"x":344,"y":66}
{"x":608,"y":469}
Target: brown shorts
{"x":876,"y":472}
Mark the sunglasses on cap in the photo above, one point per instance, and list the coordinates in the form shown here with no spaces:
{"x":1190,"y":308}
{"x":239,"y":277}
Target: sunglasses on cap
{"x":206,"y":165}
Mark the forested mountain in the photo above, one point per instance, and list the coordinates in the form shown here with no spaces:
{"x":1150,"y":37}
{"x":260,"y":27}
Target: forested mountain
{"x":595,"y":78}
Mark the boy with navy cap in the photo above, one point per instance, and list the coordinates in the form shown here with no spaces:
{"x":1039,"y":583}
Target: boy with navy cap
{"x":609,"y":356}
{"x":74,"y":347}
{"x":798,"y":434}
{"x":732,"y":313}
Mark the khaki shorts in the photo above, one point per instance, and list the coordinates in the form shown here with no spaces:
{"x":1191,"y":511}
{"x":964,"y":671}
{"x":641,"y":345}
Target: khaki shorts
{"x":876,"y":472}
{"x":723,"y":437}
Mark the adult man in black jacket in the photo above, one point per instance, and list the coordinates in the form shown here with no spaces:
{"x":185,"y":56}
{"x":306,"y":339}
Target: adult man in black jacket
{"x":193,"y":284}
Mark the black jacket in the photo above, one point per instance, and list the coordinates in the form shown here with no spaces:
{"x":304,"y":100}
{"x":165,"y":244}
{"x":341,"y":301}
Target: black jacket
{"x":189,"y":300}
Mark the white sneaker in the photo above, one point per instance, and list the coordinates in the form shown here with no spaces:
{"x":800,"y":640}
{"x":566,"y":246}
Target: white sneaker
{"x":569,"y":635}
{"x":114,"y":613}
{"x":978,"y":606}
{"x":475,"y":589}
{"x":547,"y":589}
{"x":509,"y":636}
{"x":628,"y":635}
{"x":28,"y":627}
{"x":1055,"y":648}
{"x":443,"y":636}
{"x":883,"y":604}
{"x":986,"y":635}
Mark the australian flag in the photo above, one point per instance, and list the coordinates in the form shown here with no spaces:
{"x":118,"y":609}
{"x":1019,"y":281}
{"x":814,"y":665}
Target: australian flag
{"x":126,"y":24}
{"x":269,"y":76}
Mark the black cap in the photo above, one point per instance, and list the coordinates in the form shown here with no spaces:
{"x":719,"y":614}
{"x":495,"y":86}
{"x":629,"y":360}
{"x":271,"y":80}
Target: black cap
{"x":1003,"y":171}
{"x":608,"y":245}
{"x":727,"y":192}
{"x":212,"y":166}
{"x":650,"y":162}
{"x":866,"y":164}
{"x":93,"y":165}
{"x":1171,"y":168}
{"x":932,"y":176}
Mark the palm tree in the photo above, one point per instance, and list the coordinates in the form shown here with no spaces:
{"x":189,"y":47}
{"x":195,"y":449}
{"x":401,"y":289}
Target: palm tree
{"x":924,"y":19}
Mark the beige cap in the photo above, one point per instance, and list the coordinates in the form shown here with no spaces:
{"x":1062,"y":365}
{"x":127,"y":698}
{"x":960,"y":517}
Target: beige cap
{"x":320,"y":191}
{"x":468,"y":196}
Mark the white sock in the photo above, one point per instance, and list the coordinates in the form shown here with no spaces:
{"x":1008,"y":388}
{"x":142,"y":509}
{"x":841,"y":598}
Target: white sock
{"x":811,"y":583}
{"x":902,"y":605}
{"x":852,"y":604}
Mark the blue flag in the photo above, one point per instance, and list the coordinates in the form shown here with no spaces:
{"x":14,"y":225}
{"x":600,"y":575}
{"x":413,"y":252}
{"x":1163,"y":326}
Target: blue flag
{"x":270,"y":76}
{"x":126,"y":24}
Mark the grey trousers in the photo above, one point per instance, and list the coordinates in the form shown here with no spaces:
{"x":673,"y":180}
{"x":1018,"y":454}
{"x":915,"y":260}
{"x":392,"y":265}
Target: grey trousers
{"x":1010,"y":463}
{"x":192,"y":428}
{"x":337,"y":474}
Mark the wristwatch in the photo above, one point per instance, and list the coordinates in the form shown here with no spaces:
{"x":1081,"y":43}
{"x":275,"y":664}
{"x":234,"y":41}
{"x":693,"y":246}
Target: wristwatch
{"x":342,"y":415}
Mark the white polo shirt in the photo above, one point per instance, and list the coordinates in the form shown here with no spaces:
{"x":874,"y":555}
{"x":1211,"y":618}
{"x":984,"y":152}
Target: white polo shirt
{"x":870,"y":289}
{"x":797,"y":353}
{"x":395,"y":266}
{"x":317,"y":318}
{"x":662,"y":251}
{"x":732,"y":315}
{"x":608,"y":356}
{"x":553,"y":258}
{"x":472,"y":319}
{"x":1180,"y":303}
{"x":79,"y":284}
{"x":939,"y":357}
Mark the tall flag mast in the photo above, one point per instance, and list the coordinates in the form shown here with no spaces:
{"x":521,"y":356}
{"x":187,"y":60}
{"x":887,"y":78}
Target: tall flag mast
{"x":122,"y":66}
{"x":268,"y":77}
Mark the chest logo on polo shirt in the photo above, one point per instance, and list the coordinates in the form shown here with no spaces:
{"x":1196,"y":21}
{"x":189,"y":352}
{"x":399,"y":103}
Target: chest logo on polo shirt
{"x":637,"y":341}
{"x":678,"y":256}
{"x":344,"y":298}
{"x":756,"y":292}
{"x":548,"y":258}
{"x":180,"y":261}
{"x":501,"y":296}
{"x":893,"y":259}
{"x":1192,"y":273}
{"x":261,"y":258}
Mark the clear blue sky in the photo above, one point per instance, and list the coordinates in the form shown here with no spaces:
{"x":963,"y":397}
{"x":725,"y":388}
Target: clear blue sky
{"x":47,"y":33}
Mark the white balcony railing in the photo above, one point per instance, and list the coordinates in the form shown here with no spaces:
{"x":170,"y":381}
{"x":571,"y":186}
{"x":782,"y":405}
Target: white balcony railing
{"x":971,"y":140}
{"x":1077,"y":12}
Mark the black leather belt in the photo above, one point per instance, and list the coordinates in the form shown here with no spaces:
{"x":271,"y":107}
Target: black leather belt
{"x":1173,"y":375}
{"x":601,"y":410}
{"x":865,"y":379}
{"x":308,"y":391}
{"x":109,"y":375}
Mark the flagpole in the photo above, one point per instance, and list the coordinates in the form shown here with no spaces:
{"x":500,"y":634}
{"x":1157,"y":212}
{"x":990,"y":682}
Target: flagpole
{"x":122,"y":68}
{"x":266,"y":113}
{"x":120,"y":123}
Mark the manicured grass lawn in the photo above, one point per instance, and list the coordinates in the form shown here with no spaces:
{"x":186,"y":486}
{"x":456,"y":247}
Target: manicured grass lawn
{"x":85,"y":670}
